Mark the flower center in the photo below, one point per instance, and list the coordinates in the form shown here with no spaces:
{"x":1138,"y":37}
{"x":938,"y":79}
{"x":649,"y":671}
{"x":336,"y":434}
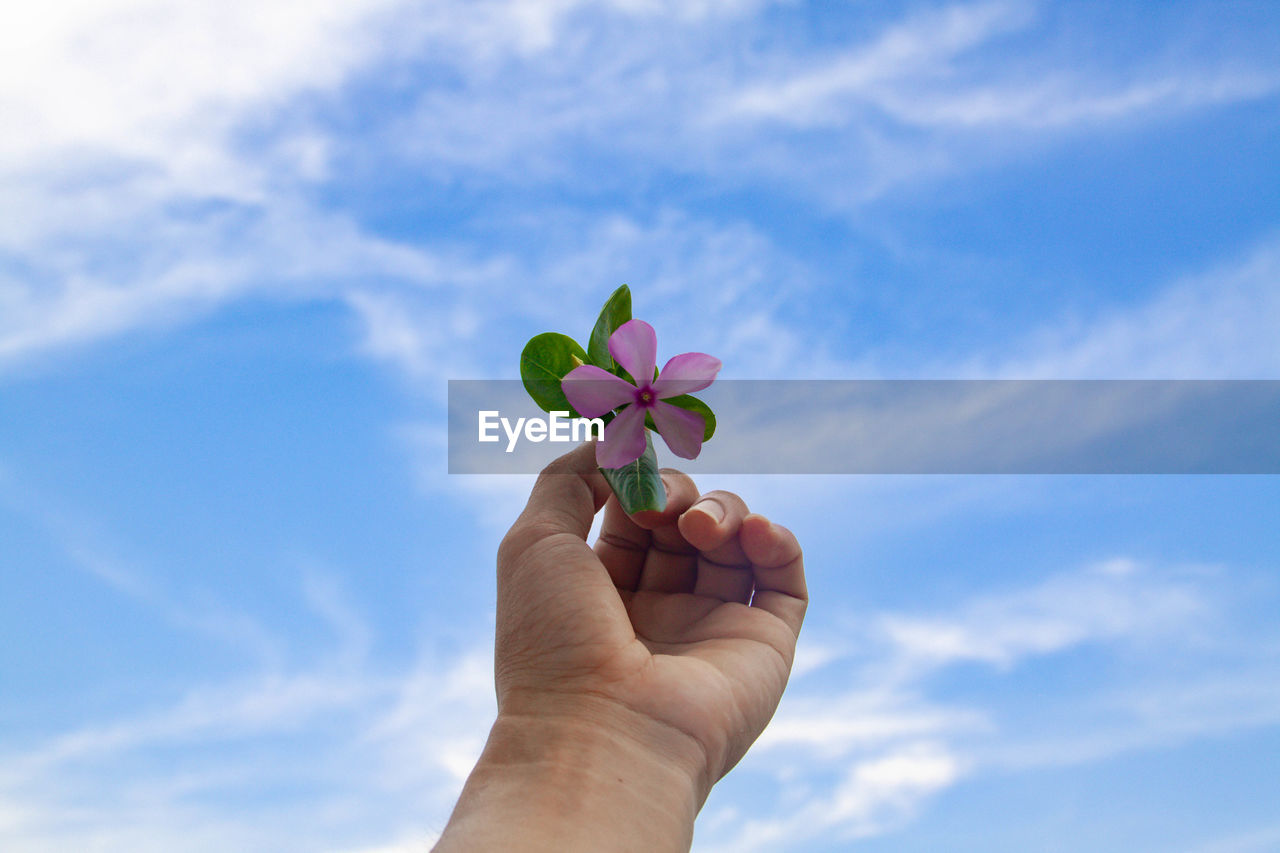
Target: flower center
{"x":645,"y":397}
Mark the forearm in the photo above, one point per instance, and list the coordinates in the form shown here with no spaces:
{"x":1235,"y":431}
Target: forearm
{"x":567,"y":784}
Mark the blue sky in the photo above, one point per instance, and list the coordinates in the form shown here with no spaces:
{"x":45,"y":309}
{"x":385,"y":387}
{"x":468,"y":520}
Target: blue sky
{"x":245,"y":246}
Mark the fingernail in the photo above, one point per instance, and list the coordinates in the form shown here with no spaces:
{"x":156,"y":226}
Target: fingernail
{"x":711,"y":507}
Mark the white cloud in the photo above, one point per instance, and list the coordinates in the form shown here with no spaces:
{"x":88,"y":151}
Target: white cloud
{"x":1107,"y":602}
{"x":833,"y":727}
{"x":690,"y":269}
{"x":1061,"y":102}
{"x":873,"y":796}
{"x":163,"y":165}
{"x":1219,"y":324}
{"x":81,"y":289}
{"x":376,"y":754}
{"x":143,"y":205}
{"x":925,"y":72}
{"x":437,"y":722}
{"x":163,"y":83}
{"x":895,"y":782}
{"x":624,"y":95}
{"x":860,"y":746}
{"x":339,"y":750}
{"x":917,"y":48}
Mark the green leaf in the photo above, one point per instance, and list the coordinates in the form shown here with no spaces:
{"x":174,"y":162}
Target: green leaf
{"x":692,"y":404}
{"x":638,"y":485}
{"x":616,"y":311}
{"x":544,"y":362}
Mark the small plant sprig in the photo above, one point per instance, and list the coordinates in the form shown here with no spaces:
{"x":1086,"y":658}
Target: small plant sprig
{"x":616,"y":379}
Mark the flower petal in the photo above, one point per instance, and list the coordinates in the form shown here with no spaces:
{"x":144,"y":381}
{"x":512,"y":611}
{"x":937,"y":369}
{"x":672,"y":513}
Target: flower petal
{"x":685,"y":374}
{"x":592,"y":391}
{"x":680,"y":429}
{"x":634,"y":345}
{"x":623,"y":441}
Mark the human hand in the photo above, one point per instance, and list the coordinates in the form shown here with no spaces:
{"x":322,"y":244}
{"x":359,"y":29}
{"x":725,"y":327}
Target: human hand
{"x":653,"y":660}
{"x":658,"y":619}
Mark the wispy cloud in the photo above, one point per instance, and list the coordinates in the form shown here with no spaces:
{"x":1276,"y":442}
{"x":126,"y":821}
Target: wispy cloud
{"x":864,"y":758}
{"x":919,"y":48}
{"x":341,"y":748}
{"x":78,"y":288}
{"x":873,"y":796}
{"x":690,"y":268}
{"x":151,"y":84}
{"x":174,"y":134}
{"x":87,"y":548}
{"x":143,"y":204}
{"x":1217,"y":324}
{"x":164,"y":160}
{"x":373,"y":753}
{"x":1109,"y":601}
{"x":915,"y":73}
{"x":863,"y":742}
{"x":1060,"y":102}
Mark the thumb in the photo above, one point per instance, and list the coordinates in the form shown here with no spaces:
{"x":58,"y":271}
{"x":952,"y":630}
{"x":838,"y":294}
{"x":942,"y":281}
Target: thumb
{"x":564,"y":501}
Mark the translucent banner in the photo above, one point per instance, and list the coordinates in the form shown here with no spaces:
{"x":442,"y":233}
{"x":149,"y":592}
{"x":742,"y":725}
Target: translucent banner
{"x":915,"y":427}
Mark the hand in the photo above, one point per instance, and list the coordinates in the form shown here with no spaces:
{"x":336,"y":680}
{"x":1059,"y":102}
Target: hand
{"x":660,"y":618}
{"x":661,"y":653}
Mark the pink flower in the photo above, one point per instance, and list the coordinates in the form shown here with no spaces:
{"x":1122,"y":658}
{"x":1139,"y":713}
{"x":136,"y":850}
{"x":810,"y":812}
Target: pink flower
{"x":594,"y":391}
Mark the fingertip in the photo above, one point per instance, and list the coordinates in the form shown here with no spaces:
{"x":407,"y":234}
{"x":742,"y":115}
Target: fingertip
{"x":580,"y":460}
{"x":756,"y":529}
{"x":647,"y":518}
{"x":568,"y":493}
{"x":681,"y":493}
{"x":711,"y":507}
{"x":766,"y":543}
{"x":775,"y":554}
{"x":700,"y":524}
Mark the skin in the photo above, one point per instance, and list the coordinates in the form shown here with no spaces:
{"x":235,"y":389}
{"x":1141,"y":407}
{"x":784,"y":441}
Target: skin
{"x":631,"y":675}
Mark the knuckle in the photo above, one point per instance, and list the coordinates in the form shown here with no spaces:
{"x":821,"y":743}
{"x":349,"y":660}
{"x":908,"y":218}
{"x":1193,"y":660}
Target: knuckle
{"x":732,"y":501}
{"x":678,"y":480}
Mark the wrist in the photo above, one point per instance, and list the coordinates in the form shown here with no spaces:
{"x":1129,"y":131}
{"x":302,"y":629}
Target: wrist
{"x":597,"y":778}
